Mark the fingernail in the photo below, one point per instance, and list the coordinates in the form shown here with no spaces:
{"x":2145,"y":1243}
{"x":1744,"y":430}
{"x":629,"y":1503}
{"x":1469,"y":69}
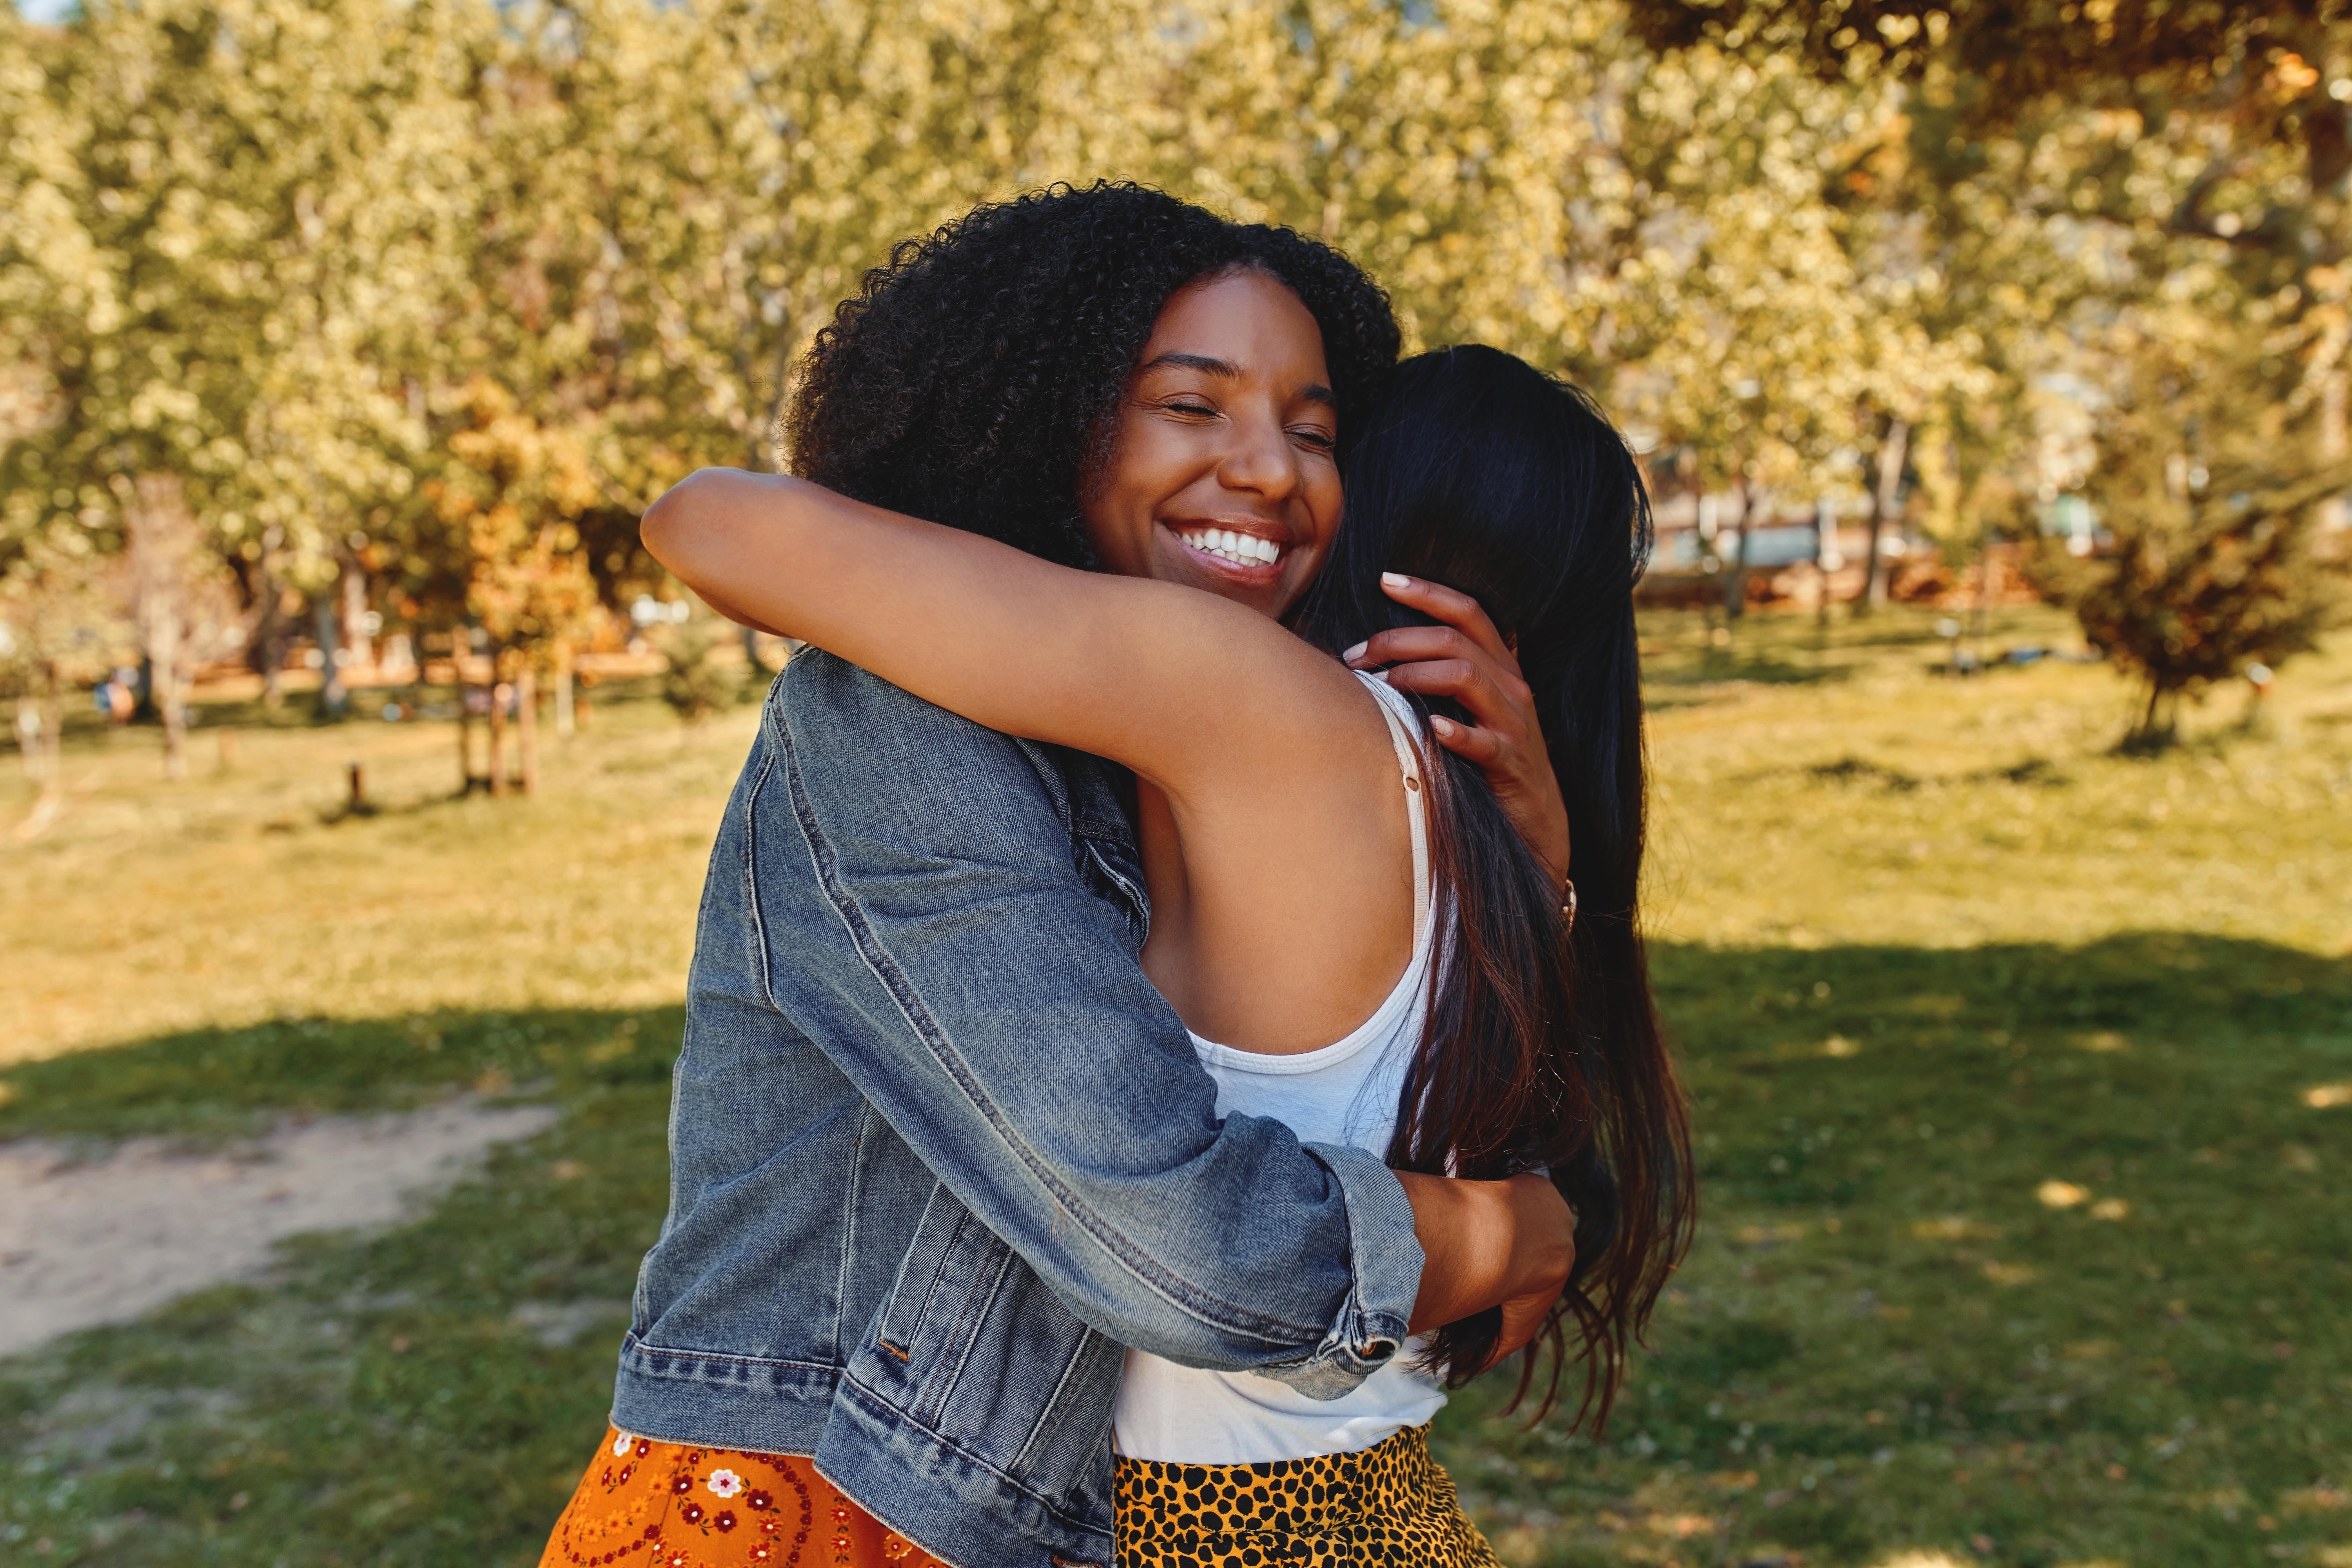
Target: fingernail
{"x":1395,"y":580}
{"x":1443,"y":726}
{"x":1355,"y":653}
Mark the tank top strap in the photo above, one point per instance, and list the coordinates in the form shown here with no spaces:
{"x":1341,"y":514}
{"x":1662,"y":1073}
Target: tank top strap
{"x":1403,"y":724}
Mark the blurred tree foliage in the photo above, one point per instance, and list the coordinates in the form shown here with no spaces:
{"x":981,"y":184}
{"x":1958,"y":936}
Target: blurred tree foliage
{"x":417,"y":302}
{"x":2213,"y":569}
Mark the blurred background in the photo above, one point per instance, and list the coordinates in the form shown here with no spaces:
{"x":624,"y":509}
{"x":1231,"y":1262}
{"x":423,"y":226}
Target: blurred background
{"x":1988,"y":361}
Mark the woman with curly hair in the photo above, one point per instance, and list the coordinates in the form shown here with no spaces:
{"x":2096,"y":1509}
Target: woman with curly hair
{"x":1361,"y":942}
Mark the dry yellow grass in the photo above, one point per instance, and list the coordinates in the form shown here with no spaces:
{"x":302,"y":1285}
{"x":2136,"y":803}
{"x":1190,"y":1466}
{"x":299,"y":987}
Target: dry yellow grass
{"x":239,"y":894}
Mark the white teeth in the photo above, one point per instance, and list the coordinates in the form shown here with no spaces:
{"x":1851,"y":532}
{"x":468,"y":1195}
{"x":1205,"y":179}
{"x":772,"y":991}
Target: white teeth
{"x":1241,"y":549}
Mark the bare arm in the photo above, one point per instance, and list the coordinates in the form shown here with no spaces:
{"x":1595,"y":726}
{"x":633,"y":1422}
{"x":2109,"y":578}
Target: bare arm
{"x":1508,"y":1244}
{"x":1165,"y":680}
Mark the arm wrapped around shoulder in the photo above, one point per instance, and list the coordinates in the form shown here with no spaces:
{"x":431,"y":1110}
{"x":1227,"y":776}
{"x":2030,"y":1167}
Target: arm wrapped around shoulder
{"x":925,"y":914}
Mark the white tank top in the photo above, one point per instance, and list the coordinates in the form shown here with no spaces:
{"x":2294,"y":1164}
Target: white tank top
{"x":1345,"y":1093}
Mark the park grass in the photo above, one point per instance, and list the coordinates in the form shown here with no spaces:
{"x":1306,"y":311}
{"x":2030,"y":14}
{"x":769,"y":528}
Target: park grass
{"x":1926,"y":944}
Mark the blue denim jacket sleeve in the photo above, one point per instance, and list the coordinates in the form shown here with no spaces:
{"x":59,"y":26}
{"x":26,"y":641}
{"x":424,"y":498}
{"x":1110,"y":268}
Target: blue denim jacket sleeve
{"x":941,"y":939}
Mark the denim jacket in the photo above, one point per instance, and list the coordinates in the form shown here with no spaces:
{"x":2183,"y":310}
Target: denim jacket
{"x":939,"y":1150}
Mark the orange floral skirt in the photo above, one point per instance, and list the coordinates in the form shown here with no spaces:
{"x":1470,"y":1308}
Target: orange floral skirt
{"x":643,"y":1503}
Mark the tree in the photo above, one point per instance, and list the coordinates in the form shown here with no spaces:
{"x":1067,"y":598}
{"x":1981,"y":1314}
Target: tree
{"x":512,"y":495}
{"x":701,"y":677}
{"x":163,"y":571}
{"x":59,"y":628}
{"x":2256,"y":62}
{"x":2200,"y":482}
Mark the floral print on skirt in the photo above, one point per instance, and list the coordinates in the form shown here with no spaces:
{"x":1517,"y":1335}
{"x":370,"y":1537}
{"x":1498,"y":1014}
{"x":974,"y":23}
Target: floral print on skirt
{"x":643,"y":1503}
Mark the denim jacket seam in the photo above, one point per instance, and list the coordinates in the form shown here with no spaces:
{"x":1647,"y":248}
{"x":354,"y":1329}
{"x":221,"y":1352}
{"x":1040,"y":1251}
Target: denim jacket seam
{"x":635,"y":1344}
{"x":881,"y":1406}
{"x":1102,"y":828}
{"x":1182,"y":1293}
{"x":850,"y":1190}
{"x":750,"y":874}
{"x":914,"y":1331}
{"x":967,"y":1328}
{"x":1048,"y":1413}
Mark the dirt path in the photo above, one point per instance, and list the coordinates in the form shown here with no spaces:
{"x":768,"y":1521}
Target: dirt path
{"x":105,"y":1241}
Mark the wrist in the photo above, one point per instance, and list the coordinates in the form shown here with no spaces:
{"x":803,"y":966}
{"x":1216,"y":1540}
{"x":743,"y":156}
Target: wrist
{"x":1470,"y":1246}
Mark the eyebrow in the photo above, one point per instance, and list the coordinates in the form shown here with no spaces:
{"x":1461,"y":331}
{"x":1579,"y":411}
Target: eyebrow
{"x":1312,"y":391}
{"x":1216,"y":367}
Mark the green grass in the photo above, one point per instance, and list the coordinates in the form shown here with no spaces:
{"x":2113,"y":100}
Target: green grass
{"x":1925,"y":945}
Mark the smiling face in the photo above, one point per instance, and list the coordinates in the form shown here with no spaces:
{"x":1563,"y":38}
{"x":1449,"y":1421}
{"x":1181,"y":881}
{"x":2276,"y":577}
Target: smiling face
{"x":1222,"y":473}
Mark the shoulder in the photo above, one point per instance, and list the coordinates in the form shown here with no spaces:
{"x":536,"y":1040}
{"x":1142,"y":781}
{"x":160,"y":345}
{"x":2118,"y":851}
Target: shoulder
{"x":861,"y":749}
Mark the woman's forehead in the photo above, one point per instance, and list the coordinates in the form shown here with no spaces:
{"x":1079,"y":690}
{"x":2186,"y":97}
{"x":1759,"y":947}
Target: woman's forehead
{"x":1239,"y":324}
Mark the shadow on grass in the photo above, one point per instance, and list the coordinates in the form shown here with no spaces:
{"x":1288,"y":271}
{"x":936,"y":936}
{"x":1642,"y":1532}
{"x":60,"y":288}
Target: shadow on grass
{"x":422,"y":1396}
{"x":1887,"y":1337}
{"x":1880,"y":1304}
{"x":1719,"y":666}
{"x":206,"y":1084}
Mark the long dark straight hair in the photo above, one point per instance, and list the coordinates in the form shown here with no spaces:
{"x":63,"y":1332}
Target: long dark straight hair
{"x":1473,"y":470}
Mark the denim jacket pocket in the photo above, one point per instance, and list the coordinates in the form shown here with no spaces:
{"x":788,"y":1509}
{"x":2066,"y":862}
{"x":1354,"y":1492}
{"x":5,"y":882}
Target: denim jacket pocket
{"x":952,"y":1269}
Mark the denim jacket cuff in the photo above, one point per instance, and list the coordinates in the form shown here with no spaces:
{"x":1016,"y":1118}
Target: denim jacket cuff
{"x":1385,"y":1260}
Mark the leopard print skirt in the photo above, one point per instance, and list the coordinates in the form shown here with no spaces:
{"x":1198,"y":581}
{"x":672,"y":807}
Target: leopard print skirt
{"x":1390,"y":1506}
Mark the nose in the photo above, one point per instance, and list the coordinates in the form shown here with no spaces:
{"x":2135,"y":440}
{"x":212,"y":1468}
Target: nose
{"x":1260,"y":458}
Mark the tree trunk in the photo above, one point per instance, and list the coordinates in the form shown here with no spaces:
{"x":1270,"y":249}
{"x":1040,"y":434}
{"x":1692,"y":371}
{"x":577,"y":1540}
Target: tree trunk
{"x":334,"y":698}
{"x":356,"y":641}
{"x":565,"y":722}
{"x":499,"y":692}
{"x":171,"y":698}
{"x":1892,"y":453}
{"x":2332,"y":438}
{"x":28,"y":737}
{"x":43,"y":758}
{"x":1983,"y":616}
{"x":161,"y":537}
{"x":465,"y":717}
{"x":1734,"y":587}
{"x":2147,"y":731}
{"x":267,"y":653}
{"x":526,"y":690}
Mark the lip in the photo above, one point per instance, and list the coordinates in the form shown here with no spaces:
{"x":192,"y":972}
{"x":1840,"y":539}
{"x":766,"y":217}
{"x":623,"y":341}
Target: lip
{"x":1264,"y":573}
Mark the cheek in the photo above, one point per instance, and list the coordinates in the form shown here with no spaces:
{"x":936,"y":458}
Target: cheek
{"x":1110,"y":506}
{"x":1323,"y":504}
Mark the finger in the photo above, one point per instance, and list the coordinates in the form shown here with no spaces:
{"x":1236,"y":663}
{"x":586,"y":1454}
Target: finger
{"x":1420,"y":644}
{"x":1465,"y":681}
{"x":1483,"y":747}
{"x":1415,"y":642}
{"x":1524,"y":1318}
{"x":1453,"y":607}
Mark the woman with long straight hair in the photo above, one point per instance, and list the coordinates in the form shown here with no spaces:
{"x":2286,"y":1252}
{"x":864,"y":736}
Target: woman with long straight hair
{"x":1476,"y":472}
{"x":1360,"y":944}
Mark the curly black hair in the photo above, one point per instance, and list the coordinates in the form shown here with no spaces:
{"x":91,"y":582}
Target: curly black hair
{"x":972,"y":379}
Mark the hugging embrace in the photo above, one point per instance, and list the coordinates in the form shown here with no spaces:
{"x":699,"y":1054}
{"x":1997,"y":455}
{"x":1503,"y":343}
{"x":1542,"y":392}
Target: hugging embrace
{"x":1168,"y":1001}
